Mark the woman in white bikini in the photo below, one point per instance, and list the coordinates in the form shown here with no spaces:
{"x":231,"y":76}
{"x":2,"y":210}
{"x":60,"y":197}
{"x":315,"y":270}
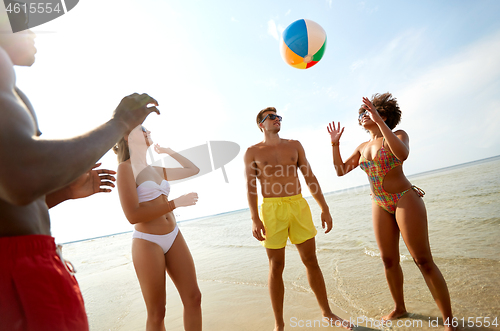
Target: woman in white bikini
{"x":158,"y":245}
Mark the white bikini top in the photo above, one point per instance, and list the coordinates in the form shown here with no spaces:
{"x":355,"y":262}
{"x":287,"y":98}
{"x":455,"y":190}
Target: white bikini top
{"x":149,"y":190}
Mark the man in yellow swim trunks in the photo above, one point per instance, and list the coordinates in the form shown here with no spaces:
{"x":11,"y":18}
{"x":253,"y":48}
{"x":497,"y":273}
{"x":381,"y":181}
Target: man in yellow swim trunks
{"x":284,"y":212}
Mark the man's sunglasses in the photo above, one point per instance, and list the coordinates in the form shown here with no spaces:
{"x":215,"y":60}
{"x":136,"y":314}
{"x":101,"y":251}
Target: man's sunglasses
{"x":272,"y":117}
{"x":144,"y":129}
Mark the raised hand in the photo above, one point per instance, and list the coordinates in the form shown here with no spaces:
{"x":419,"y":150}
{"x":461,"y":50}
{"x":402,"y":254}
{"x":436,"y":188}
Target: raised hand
{"x":372,"y":111}
{"x":335,"y":133}
{"x":91,"y":182}
{"x":134,"y":109}
{"x":186,"y":200}
{"x":162,"y":150}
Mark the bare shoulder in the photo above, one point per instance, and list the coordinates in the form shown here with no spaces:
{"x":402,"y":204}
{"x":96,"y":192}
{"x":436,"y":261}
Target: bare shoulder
{"x":401,"y":133}
{"x":292,"y":142}
{"x":125,"y":177}
{"x":256,"y":146}
{"x":124,"y":168}
{"x":403,"y":136}
{"x":295,"y":144}
{"x":253,"y":149}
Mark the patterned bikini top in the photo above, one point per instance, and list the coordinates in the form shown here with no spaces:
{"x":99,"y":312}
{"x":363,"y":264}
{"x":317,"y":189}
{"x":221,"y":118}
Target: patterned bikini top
{"x":150,"y":190}
{"x":376,"y":169}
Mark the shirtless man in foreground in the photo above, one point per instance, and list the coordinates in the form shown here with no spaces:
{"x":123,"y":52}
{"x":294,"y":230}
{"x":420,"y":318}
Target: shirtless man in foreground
{"x":284,"y":212}
{"x":37,"y":292}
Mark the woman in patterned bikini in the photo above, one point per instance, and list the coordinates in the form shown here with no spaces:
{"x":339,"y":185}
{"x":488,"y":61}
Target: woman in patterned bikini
{"x":397,"y":206}
{"x":157,"y":245}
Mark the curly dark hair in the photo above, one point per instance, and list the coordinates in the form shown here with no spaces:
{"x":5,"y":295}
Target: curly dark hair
{"x":387,"y":106}
{"x":261,"y":113}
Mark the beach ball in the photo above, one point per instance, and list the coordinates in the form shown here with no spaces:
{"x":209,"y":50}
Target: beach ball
{"x":303,"y":44}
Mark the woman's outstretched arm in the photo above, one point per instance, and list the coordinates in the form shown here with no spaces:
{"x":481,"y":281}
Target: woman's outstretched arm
{"x":188,"y":168}
{"x":341,"y":167}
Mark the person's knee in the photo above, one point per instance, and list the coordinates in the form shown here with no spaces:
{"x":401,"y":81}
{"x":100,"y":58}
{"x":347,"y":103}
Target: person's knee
{"x":276,"y":266}
{"x":156,"y":314}
{"x":310,"y":261}
{"x":425,"y":264}
{"x":193,"y":299}
{"x":196,"y":298}
{"x":390,"y":262}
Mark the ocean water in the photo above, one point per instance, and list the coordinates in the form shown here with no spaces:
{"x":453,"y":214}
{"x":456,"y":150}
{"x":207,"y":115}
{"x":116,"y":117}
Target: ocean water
{"x":464,"y":227}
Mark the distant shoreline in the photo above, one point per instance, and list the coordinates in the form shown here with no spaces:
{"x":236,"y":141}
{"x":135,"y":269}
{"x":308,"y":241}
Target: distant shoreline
{"x":456,"y":166}
{"x":349,"y":189}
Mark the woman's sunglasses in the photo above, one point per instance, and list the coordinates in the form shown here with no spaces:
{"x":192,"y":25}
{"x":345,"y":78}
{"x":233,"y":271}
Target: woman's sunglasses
{"x":272,"y":117}
{"x":363,"y":114}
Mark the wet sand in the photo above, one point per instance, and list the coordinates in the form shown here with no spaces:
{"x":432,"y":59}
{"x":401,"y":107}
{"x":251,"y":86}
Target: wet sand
{"x":114,"y":301}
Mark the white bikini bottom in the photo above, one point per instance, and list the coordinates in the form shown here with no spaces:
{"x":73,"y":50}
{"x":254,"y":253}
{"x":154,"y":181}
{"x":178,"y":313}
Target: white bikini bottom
{"x":165,"y":241}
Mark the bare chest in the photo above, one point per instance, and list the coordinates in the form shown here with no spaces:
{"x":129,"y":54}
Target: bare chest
{"x":274,"y":159}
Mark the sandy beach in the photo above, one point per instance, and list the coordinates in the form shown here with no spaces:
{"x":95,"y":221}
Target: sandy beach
{"x":232,"y":267}
{"x":114,"y":301}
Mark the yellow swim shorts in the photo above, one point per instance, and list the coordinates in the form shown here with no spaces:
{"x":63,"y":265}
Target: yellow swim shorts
{"x":286,"y":217}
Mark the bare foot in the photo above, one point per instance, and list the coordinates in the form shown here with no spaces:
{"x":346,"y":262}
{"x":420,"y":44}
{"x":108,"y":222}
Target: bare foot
{"x":334,"y":320}
{"x":395,"y":314}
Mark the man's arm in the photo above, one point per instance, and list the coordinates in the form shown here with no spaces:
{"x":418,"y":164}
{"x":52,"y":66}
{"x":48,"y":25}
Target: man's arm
{"x":32,"y":167}
{"x":251,"y":173}
{"x":91,"y":182}
{"x":314,"y":188}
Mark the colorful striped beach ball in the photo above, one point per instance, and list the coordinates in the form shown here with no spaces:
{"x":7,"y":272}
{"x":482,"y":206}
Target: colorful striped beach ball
{"x":303,"y":44}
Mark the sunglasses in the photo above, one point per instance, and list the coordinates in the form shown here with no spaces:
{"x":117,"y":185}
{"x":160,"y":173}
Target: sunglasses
{"x":272,"y":117}
{"x":363,"y":114}
{"x":144,"y":129}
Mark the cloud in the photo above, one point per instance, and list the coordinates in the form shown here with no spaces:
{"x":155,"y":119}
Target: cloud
{"x":454,"y":105}
{"x":286,"y":108}
{"x":450,"y":103}
{"x":272,"y":30}
{"x":363,"y":7}
{"x":454,"y":81}
{"x":269,"y":83}
{"x":357,"y":64}
{"x":329,"y":91}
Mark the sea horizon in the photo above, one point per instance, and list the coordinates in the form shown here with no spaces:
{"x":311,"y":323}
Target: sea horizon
{"x":344,"y":190}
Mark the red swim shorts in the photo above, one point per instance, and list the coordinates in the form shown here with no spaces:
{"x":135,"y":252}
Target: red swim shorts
{"x":36,"y":290}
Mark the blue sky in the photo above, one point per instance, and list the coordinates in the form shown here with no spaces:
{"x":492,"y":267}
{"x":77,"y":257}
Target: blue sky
{"x":212,"y":65}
